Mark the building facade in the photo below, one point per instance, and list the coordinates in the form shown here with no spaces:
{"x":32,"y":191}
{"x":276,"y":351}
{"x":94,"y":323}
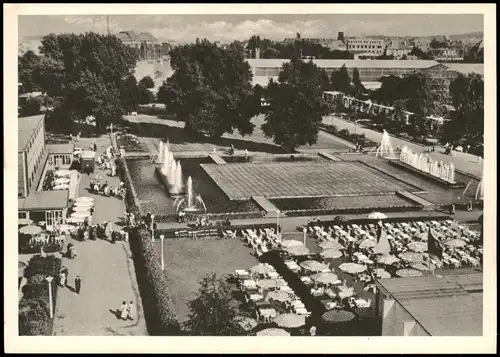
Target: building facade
{"x":369,"y":70}
{"x":31,"y":152}
{"x":366,"y":44}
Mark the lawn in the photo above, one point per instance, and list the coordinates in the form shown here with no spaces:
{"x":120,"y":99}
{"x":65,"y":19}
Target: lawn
{"x":153,"y":128}
{"x":302,"y":179}
{"x":188,"y":261}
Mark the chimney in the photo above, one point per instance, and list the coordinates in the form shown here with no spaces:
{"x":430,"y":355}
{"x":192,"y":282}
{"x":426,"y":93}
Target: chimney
{"x":340,"y":36}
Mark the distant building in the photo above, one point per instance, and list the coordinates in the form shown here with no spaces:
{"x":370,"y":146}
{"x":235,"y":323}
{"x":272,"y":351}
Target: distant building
{"x":369,"y":70}
{"x":330,"y":43}
{"x":366,"y":44}
{"x":145,"y":44}
{"x":398,"y":47}
{"x":447,"y":305}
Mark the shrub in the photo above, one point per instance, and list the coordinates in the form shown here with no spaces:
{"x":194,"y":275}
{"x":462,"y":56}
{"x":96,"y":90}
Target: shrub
{"x":157,"y":303}
{"x":46,"y":266}
{"x":34,"y":316}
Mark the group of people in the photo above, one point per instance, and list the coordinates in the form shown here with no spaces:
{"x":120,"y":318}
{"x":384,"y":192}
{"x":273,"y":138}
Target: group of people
{"x":127,"y":311}
{"x":105,"y":189}
{"x":63,"y":280}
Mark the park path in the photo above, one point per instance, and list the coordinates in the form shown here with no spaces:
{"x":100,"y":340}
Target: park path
{"x":465,"y":162}
{"x":107,"y":273}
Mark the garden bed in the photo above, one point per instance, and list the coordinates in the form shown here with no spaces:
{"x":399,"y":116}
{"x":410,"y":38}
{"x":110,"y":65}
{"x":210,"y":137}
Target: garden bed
{"x":346,"y":135}
{"x":131,"y":143}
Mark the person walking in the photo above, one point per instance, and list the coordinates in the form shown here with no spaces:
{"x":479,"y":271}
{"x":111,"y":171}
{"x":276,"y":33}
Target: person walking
{"x":66,"y":274}
{"x":78,"y":284}
{"x":62,"y":279}
{"x":131,"y":310}
{"x":124,"y":311}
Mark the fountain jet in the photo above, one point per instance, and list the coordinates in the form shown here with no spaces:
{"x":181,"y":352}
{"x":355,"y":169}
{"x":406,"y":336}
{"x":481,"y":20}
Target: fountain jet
{"x":385,"y":146}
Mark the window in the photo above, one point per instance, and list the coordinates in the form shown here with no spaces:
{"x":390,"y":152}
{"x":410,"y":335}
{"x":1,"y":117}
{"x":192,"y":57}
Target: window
{"x":22,"y":214}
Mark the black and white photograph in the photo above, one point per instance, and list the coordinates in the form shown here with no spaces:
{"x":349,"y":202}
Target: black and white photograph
{"x":287,"y":174}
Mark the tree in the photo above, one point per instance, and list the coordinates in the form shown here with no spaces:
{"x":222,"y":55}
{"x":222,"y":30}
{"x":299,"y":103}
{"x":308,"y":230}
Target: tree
{"x":213,"y":312}
{"x":399,"y":112}
{"x":359,"y":88}
{"x":270,"y":53}
{"x":144,"y":95}
{"x":27,"y":65}
{"x":296,"y":105}
{"x":30,"y":106}
{"x":417,"y":90}
{"x":147,"y":82}
{"x":416,"y":51}
{"x":467,"y":94}
{"x":84,"y":75}
{"x":210,"y":89}
{"x":341,"y":81}
{"x":128,"y":94}
{"x":390,"y":91}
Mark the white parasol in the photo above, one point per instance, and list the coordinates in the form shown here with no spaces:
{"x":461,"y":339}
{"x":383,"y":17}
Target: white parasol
{"x":368,"y":243}
{"x":326,"y":278}
{"x":331,"y":245}
{"x":382,"y":274}
{"x":273,"y":332}
{"x":279,"y":295}
{"x":62,"y":181}
{"x":352,"y":268}
{"x":30,"y":230}
{"x":298,"y":251}
{"x":83,"y":204}
{"x":408,"y":273}
{"x":75,"y":219}
{"x":84,"y":199}
{"x":412,"y":257}
{"x":291,"y":243}
{"x":261,"y":269}
{"x":418,"y":247}
{"x":80,"y":214}
{"x":62,"y":173}
{"x":81,"y":209}
{"x":313,"y":265}
{"x":387,"y":259}
{"x":456,"y":243}
{"x":290,"y":320}
{"x":331,"y":254}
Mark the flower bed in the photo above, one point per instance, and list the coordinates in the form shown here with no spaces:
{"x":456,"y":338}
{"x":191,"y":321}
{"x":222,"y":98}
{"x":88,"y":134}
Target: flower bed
{"x":346,"y":135}
{"x":131,"y":143}
{"x":34,"y":313}
{"x":48,"y":180}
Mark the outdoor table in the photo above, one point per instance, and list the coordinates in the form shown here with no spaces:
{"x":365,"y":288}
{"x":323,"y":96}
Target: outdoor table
{"x":256,"y":297}
{"x":362,"y":303}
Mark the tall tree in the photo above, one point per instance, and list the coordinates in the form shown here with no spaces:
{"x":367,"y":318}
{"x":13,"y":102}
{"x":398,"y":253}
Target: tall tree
{"x":27,"y":65}
{"x":419,"y":95}
{"x":128,"y":94}
{"x":213,"y":312}
{"x":147,"y":82}
{"x":341,"y":81}
{"x":296,"y":105}
{"x":84,"y":74}
{"x":359,"y":88}
{"x":467,"y":95}
{"x":210,"y":89}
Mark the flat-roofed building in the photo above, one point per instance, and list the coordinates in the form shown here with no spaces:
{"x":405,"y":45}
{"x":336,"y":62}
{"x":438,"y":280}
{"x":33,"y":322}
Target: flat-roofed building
{"x":366,"y":44}
{"x":449,"y":304}
{"x":369,"y":70}
{"x":31,"y":152}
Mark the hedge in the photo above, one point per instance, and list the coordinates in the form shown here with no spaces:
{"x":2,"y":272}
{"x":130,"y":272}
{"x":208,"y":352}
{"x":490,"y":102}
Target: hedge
{"x":158,"y":306}
{"x":34,"y":315}
{"x":157,"y":303}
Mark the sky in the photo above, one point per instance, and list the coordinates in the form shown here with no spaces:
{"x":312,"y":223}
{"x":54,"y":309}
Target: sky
{"x":186,"y":28}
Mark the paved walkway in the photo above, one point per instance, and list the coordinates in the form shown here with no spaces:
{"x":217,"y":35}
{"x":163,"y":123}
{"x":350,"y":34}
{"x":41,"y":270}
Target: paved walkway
{"x":107,"y":273}
{"x":462,"y":161}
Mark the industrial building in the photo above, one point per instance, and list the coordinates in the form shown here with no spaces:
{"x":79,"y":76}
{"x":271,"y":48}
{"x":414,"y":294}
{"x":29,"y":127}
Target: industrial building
{"x":369,"y":70}
{"x":449,"y":304}
{"x":366,"y":44}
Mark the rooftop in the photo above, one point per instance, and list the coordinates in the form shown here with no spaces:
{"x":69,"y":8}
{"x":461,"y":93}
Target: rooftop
{"x":146,"y":36}
{"x":44,"y":200}
{"x":26,"y":127}
{"x":127,"y":36}
{"x":358,"y":63}
{"x":467,"y":68}
{"x":441,"y":305}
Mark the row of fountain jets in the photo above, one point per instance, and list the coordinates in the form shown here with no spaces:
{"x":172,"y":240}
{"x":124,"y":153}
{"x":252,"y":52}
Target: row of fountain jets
{"x":170,"y":169}
{"x":424,"y":163}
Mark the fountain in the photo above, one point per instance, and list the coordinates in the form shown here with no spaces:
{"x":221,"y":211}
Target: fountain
{"x":170,"y":170}
{"x":385,"y":147}
{"x":426,"y":164}
{"x":190,"y":202}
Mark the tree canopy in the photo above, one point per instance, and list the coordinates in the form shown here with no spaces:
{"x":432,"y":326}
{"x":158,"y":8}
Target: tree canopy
{"x":210,"y":89}
{"x":296,"y":105}
{"x":83,"y":74}
{"x":147,"y":82}
{"x":467,"y":94}
{"x":340,"y":80}
{"x":213,"y":312}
